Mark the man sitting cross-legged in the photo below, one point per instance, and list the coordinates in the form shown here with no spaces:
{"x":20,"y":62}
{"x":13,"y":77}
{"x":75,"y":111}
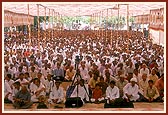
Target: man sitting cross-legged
{"x":22,"y":99}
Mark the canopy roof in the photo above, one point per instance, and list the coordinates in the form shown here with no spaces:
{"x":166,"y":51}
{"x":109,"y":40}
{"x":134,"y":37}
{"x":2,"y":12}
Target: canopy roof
{"x":83,"y":8}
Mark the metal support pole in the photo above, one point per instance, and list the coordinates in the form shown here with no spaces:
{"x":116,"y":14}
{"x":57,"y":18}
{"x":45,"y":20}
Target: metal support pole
{"x":38,"y":23}
{"x":102,"y":20}
{"x":29,"y":28}
{"x":142,"y":23}
{"x":118,"y":20}
{"x":49,"y":24}
{"x":45,"y":24}
{"x":111,"y":26}
{"x":107,"y":24}
{"x":52,"y":24}
{"x":128,"y":17}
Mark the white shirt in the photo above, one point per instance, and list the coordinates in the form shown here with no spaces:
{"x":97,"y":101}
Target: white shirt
{"x":84,"y":73}
{"x":22,"y":81}
{"x":15,"y":91}
{"x":17,"y":73}
{"x":139,"y":77}
{"x":48,"y":85}
{"x":160,"y":63}
{"x":131,"y":90}
{"x":112,"y":93}
{"x":10,"y":82}
{"x":111,"y":78}
{"x":144,"y":71}
{"x":118,"y":68}
{"x":32,"y":85}
{"x":35,"y":88}
{"x":45,"y":72}
{"x":42,"y":80}
{"x":7,"y":88}
{"x":8,"y":72}
{"x":13,"y":70}
{"x":113,"y":68}
{"x":57,"y":93}
{"x":110,"y":71}
{"x":143,"y":85}
{"x":81,"y":92}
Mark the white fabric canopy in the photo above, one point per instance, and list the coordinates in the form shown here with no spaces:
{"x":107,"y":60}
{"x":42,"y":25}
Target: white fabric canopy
{"x":83,"y":8}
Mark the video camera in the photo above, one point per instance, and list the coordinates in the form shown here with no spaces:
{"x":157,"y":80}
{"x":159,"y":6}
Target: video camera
{"x":77,"y":59}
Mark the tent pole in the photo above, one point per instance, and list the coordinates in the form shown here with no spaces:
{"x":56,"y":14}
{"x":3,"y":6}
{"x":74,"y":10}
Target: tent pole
{"x":29,"y":28}
{"x":102,"y":20}
{"x":118,"y":21}
{"x":45,"y":24}
{"x":107,"y":24}
{"x":52,"y":23}
{"x":38,"y":23}
{"x":49,"y":25}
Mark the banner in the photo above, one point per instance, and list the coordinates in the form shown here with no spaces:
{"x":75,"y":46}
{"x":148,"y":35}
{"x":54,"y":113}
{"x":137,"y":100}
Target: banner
{"x":157,"y":19}
{"x":16,"y":19}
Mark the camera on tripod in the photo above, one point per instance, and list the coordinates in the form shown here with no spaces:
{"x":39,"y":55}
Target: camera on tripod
{"x":77,"y":59}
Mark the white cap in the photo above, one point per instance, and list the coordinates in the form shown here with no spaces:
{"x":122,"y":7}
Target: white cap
{"x":133,"y":79}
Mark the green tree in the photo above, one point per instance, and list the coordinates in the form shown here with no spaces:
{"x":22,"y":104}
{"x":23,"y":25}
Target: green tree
{"x":41,"y":19}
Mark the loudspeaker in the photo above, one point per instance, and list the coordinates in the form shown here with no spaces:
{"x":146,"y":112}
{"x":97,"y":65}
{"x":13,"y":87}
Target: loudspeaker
{"x":74,"y":102}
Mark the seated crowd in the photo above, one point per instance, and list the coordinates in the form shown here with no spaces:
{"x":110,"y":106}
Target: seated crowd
{"x":126,"y":67}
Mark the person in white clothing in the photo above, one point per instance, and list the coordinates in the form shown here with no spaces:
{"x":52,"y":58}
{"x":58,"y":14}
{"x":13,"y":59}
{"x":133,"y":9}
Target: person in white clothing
{"x":137,"y":75}
{"x":41,"y":78}
{"x":38,"y":89}
{"x":108,"y":78}
{"x":15,"y":90}
{"x":7,"y":91}
{"x":48,"y":84}
{"x":112,"y":92}
{"x":57,"y":94}
{"x":22,"y":80}
{"x":112,"y":96}
{"x":9,"y":80}
{"x":144,"y":69}
{"x":70,"y":73}
{"x":84,"y":72}
{"x":143,"y":84}
{"x":45,"y":71}
{"x":131,"y":91}
{"x":80,"y":91}
{"x":20,"y":70}
{"x":7,"y":70}
{"x":107,"y":68}
{"x":32,"y":72}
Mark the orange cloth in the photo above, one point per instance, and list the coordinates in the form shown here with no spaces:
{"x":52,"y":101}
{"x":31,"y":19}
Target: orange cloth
{"x":97,"y":93}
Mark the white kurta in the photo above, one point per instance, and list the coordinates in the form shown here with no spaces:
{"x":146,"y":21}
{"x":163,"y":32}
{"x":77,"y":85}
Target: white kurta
{"x":48,"y":85}
{"x":111,"y":73}
{"x":34,"y":89}
{"x":144,"y":71}
{"x":22,"y":81}
{"x":143,"y":86}
{"x":131,"y":91}
{"x":14,"y":92}
{"x":7,"y":89}
{"x":112,"y":93}
{"x":84,"y":74}
{"x":81,"y":92}
{"x":56,"y":94}
{"x":45,"y":72}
